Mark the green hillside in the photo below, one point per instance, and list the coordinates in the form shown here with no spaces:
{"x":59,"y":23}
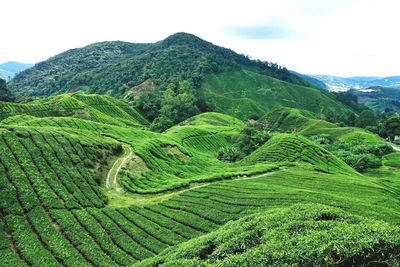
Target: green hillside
{"x":243,"y":93}
{"x":295,"y":148}
{"x":301,"y":235}
{"x":357,"y":147}
{"x":90,"y":107}
{"x":84,"y":182}
{"x":305,"y":123}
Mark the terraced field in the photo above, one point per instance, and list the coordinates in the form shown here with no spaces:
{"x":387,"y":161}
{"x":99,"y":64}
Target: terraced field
{"x":56,"y":209}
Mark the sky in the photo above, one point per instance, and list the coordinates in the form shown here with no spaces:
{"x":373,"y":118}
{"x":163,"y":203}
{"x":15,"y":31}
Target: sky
{"x":336,"y":37}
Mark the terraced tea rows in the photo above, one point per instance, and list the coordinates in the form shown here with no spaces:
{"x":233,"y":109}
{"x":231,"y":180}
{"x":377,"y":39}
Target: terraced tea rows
{"x":91,"y":107}
{"x":54,"y":206}
{"x":293,"y":148}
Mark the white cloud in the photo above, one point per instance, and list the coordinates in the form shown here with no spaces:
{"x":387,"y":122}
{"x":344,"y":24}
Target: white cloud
{"x":342,"y":37}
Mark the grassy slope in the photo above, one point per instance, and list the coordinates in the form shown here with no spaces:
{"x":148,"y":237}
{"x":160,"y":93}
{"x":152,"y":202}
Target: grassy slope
{"x":54,"y":208}
{"x":298,"y":121}
{"x":245,"y":92}
{"x":296,"y":148}
{"x":97,"y":108}
{"x":289,"y":236}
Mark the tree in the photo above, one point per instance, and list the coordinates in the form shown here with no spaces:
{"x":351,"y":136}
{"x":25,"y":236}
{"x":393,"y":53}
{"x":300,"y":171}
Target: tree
{"x":178,"y":102}
{"x":161,"y":123}
{"x":229,"y":154}
{"x":366,"y":118}
{"x":391,"y":126}
{"x":5,"y":94}
{"x":149,"y":104}
{"x":351,"y":119}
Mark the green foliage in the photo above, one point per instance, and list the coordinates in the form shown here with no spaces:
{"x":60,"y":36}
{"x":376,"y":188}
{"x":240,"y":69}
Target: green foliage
{"x":89,"y":107}
{"x":350,"y":100}
{"x":177,"y":104}
{"x":296,"y":148}
{"x":253,"y":135}
{"x":359,"y":155}
{"x":52,"y":76}
{"x":366,"y":118}
{"x":5,"y":94}
{"x":55,"y":209}
{"x":245,"y":92}
{"x":391,"y":126}
{"x":379,"y":99}
{"x":303,"y":235}
{"x":229,"y":154}
{"x":161,"y":123}
{"x":392,"y":160}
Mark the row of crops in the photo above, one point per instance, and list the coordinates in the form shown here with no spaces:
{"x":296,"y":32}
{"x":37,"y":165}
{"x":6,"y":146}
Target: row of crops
{"x":53,"y":212}
{"x":92,"y":107}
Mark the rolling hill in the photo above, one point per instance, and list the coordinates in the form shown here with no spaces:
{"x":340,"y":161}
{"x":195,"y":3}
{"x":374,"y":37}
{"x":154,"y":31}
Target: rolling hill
{"x":243,"y":93}
{"x":84,"y":182}
{"x":89,"y":107}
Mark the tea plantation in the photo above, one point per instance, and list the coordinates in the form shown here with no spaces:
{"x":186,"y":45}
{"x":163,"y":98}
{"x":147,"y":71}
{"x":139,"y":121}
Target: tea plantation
{"x":291,"y":202}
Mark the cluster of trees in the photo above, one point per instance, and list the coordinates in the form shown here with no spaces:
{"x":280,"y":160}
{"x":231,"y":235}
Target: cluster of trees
{"x":177,"y":102}
{"x":390,"y":127}
{"x":357,"y":154}
{"x":386,"y":127}
{"x":253,"y":135}
{"x":385,"y":123}
{"x":5,"y":94}
{"x":350,"y":100}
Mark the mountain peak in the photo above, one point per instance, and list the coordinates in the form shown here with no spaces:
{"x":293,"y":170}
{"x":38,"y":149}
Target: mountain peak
{"x":183,"y":38}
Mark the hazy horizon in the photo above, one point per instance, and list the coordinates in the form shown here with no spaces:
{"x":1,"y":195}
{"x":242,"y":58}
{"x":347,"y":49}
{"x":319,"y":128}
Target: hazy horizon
{"x":341,"y":38}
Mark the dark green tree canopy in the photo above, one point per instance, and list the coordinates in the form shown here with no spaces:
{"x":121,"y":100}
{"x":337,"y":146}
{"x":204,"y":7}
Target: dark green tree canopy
{"x":5,"y":94}
{"x":366,"y":118}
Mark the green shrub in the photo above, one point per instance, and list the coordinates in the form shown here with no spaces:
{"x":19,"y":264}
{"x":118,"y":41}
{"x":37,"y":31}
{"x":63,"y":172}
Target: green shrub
{"x":303,"y":235}
{"x":229,"y":154}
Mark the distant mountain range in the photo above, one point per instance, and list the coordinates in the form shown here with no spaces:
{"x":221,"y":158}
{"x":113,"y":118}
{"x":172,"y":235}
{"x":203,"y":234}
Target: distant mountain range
{"x":9,"y":69}
{"x":334,"y":83}
{"x":316,"y":82}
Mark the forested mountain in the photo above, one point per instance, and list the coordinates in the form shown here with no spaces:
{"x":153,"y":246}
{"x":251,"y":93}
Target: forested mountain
{"x":176,"y":78}
{"x":50,"y":76}
{"x":114,"y":67}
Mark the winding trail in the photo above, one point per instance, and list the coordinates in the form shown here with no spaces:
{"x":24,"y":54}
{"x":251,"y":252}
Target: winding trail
{"x":112,"y":176}
{"x":127,"y":199}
